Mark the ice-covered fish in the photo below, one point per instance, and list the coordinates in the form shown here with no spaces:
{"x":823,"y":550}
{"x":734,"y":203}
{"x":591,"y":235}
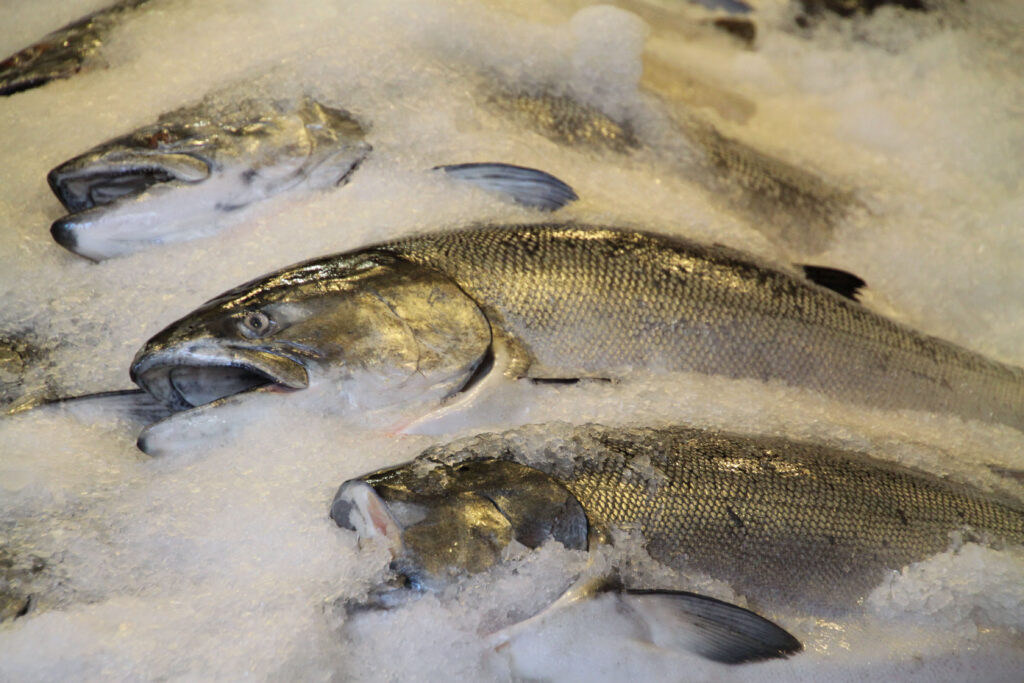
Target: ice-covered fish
{"x":792,"y":527}
{"x":789,"y":204}
{"x":170,"y":180}
{"x":18,"y":572}
{"x":450,"y":315}
{"x":25,"y":367}
{"x":64,"y":52}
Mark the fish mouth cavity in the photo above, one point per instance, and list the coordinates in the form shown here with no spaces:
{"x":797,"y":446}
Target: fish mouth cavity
{"x":183,"y":385}
{"x":82,"y":186}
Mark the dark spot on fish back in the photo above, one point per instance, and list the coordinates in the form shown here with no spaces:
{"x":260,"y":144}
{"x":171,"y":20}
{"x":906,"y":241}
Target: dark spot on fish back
{"x":734,"y":517}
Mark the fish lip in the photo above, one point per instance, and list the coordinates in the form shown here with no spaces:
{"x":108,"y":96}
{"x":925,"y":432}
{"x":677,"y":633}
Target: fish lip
{"x":96,"y":180}
{"x":154,"y":371}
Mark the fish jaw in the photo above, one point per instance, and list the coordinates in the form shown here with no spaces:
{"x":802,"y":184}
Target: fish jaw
{"x":106,"y":175}
{"x":119,"y":199}
{"x":196,"y":374}
{"x":164,"y":213}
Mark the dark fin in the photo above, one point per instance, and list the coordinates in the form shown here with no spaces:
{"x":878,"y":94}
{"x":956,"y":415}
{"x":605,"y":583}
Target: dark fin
{"x":134,"y":404}
{"x":713,"y":629}
{"x":839,"y":281}
{"x":743,"y":29}
{"x":526,"y":186}
{"x":567,"y":380}
{"x":1008,"y":473}
{"x":730,"y":6}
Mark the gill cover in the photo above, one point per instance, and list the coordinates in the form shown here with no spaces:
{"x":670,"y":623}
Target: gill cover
{"x":454,"y":519}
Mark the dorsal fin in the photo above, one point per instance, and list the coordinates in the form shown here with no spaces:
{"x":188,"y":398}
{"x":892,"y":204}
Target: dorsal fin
{"x":839,"y":281}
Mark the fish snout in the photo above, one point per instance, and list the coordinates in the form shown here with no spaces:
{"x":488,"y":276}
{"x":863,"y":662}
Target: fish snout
{"x":358,"y":507}
{"x":63,"y":232}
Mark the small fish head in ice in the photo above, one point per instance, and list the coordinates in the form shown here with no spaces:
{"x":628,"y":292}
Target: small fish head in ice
{"x":63,"y":53}
{"x":170,"y":181}
{"x":442,"y":521}
{"x":371,"y":328}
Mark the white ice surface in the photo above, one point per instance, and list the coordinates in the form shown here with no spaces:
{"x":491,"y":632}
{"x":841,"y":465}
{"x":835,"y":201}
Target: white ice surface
{"x":219,"y":561}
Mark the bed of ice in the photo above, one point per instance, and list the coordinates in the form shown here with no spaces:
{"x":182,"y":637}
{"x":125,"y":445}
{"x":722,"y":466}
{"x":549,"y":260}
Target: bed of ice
{"x":219,"y":561}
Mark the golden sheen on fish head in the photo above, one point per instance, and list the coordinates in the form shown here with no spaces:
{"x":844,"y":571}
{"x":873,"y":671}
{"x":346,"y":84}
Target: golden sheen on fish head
{"x":441,"y":521}
{"x":376,"y":326}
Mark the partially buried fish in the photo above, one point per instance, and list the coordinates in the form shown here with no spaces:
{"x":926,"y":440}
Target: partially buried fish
{"x":65,"y":52}
{"x":171,"y":181}
{"x":792,"y":527}
{"x":449,"y":316}
{"x":789,"y":204}
{"x":167,"y":181}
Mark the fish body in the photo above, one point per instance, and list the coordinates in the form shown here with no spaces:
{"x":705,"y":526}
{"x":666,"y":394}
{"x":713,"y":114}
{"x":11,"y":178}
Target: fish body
{"x":434,"y":315}
{"x":169,"y":181}
{"x":63,"y":53}
{"x":791,"y":205}
{"x":784,"y":523}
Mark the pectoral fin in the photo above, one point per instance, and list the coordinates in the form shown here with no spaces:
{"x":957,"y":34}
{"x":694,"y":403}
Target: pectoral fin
{"x":526,"y":186}
{"x":713,"y":629}
{"x":677,"y":620}
{"x":134,"y":405}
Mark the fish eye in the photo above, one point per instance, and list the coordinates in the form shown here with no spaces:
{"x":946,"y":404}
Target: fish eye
{"x":255,"y":324}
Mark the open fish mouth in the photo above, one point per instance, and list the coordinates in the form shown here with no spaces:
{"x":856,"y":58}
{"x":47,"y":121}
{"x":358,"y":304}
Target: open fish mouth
{"x":84,"y":183}
{"x":93,"y":186}
{"x":186,"y":383}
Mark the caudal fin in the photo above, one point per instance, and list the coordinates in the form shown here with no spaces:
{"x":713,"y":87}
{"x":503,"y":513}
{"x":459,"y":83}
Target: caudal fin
{"x":526,"y":186}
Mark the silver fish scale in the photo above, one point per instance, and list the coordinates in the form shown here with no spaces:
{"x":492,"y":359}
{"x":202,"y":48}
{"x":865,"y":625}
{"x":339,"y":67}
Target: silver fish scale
{"x":782,"y":522}
{"x":566,"y":121}
{"x":594,"y":302}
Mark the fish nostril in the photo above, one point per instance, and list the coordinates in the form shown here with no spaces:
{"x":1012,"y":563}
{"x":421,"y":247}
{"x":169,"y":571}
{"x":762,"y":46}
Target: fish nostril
{"x":64,"y":234}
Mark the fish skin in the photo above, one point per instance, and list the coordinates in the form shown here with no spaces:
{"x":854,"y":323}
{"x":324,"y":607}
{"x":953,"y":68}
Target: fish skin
{"x":572,"y":301}
{"x":566,"y":121}
{"x":63,"y":53}
{"x":18,"y":574}
{"x":849,"y":8}
{"x":26,"y":371}
{"x":169,"y":181}
{"x":791,"y":205}
{"x":784,"y":523}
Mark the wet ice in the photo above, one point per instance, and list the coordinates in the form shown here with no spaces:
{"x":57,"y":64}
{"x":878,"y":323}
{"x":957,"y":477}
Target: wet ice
{"x":220,"y":560}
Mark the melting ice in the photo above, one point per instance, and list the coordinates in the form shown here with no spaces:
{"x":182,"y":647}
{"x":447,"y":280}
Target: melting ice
{"x":219,"y":561}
